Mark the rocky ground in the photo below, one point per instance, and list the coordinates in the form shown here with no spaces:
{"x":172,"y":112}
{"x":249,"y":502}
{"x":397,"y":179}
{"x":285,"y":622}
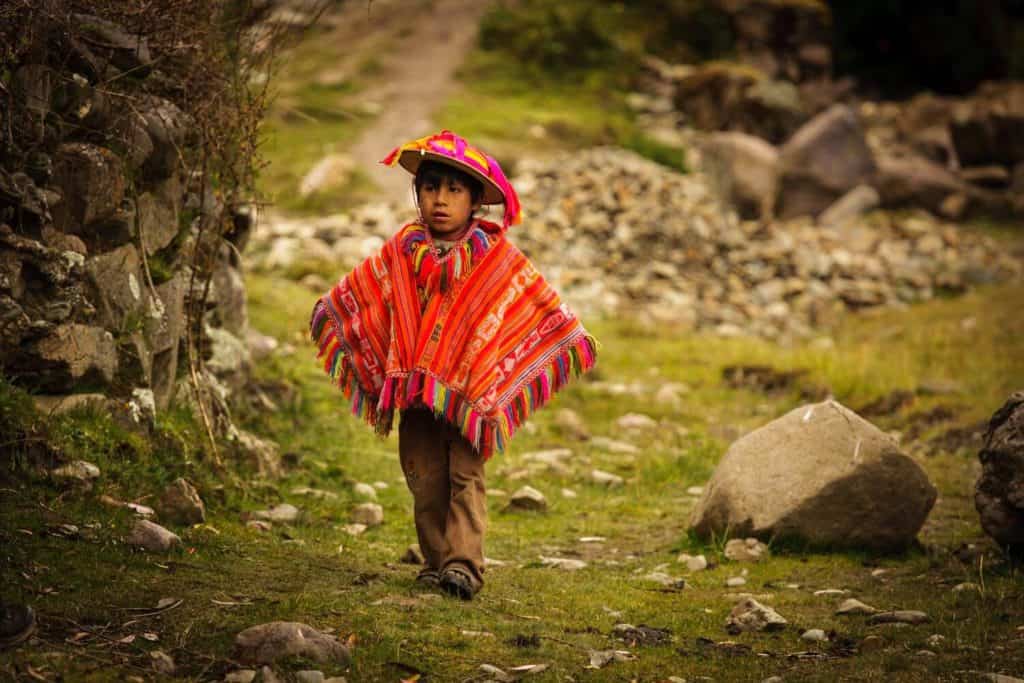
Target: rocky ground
{"x":618,"y":234}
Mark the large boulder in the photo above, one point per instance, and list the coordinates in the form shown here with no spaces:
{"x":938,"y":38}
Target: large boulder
{"x":746,"y":168}
{"x":999,"y":492}
{"x":915,"y":181}
{"x":820,"y":475}
{"x":92,"y":183}
{"x":824,"y":160}
{"x":989,"y":127}
{"x":732,"y":96}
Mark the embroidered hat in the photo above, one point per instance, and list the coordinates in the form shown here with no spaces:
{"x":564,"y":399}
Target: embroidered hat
{"x":448,"y":148}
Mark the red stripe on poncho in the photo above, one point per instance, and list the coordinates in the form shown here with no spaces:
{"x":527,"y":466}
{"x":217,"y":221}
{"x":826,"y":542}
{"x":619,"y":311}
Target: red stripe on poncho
{"x":477,"y":335}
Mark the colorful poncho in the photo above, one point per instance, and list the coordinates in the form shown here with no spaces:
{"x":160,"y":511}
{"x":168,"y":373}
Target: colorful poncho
{"x":476,"y":335}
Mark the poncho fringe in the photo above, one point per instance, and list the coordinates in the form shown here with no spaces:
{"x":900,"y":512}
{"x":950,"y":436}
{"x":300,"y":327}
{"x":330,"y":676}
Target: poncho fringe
{"x":403,"y":389}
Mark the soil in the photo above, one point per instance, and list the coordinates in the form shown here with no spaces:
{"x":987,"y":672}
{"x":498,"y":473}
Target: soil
{"x":417,"y":75}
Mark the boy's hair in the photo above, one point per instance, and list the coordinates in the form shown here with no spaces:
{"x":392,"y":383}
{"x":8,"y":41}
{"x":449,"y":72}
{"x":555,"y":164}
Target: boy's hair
{"x":436,"y":172}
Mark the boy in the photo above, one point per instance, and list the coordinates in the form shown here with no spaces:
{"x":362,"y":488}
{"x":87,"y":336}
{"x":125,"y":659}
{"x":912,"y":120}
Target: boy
{"x":453,"y":327}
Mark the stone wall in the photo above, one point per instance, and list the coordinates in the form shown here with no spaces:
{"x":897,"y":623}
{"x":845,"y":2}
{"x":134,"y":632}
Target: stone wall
{"x":99,"y":224}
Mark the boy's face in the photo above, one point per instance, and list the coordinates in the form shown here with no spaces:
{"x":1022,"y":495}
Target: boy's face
{"x":446,"y":205}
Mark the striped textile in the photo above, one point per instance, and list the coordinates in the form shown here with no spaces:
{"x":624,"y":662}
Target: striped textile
{"x":477,"y":335}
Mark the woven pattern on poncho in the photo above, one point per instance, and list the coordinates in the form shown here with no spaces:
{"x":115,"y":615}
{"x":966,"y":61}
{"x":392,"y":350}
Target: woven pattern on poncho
{"x":476,"y":335}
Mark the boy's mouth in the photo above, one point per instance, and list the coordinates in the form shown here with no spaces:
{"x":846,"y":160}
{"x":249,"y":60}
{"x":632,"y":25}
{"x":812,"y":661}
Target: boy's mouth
{"x":440,"y":215}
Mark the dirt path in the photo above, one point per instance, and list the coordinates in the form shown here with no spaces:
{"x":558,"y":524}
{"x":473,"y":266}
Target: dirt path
{"x":417,"y":76}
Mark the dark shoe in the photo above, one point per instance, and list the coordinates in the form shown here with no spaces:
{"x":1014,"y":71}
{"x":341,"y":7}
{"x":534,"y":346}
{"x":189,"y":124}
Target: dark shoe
{"x":17,"y":622}
{"x":457,"y":583}
{"x":428,"y":577}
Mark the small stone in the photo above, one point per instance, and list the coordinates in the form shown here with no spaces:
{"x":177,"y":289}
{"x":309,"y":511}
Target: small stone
{"x":695,"y":491}
{"x":592,"y":539}
{"x":284,"y":513}
{"x":370,"y":514}
{"x":152,"y":537}
{"x":967,"y":587}
{"x":853,"y":606}
{"x":636,"y":421}
{"x":694,"y":563}
{"x":568,"y":493}
{"x":735,"y":582}
{"x":412,"y":555}
{"x":79,"y":470}
{"x":267,"y":675}
{"x":831,"y":592}
{"x":871,"y":644}
{"x":380,"y":485}
{"x":528,"y":498}
{"x":353,"y":530}
{"x":665,"y":580}
{"x":912,"y":617}
{"x":161,"y":662}
{"x":750,"y":615}
{"x":365,"y":491}
{"x":745,"y":550}
{"x":258,"y":525}
{"x":266,"y":643}
{"x":309,"y":676}
{"x":181,"y":504}
{"x":816,"y":635}
{"x":240,"y":676}
{"x":773,"y":679}
{"x":613,"y":446}
{"x":571,"y":424}
{"x":935,"y":640}
{"x":563,"y":563}
{"x":606,"y":479}
{"x":316,"y":494}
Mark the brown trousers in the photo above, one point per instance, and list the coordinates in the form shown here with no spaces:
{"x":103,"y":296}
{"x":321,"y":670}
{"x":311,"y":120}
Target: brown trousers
{"x":446,"y":478}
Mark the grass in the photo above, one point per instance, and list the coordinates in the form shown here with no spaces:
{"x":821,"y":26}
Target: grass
{"x":533,"y":614}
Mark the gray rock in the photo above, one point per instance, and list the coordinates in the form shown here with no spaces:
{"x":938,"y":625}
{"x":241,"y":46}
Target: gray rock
{"x":694,"y":563}
{"x":412,"y":555}
{"x":91,"y":181}
{"x":912,"y":617}
{"x":750,"y":615}
{"x":262,"y":454}
{"x":565,"y":563}
{"x":745,"y":550}
{"x":570,"y":423}
{"x":119,"y":283}
{"x":240,"y":676}
{"x":851,"y":206}
{"x":152,"y":537}
{"x":181,"y":504}
{"x":266,"y":643}
{"x":745,"y":169}
{"x":528,"y":498}
{"x":73,"y":354}
{"x":999,"y":491}
{"x":162,"y":662}
{"x":826,"y":158}
{"x":815,"y":635}
{"x":309,"y":676}
{"x":846,"y":484}
{"x":606,"y":479}
{"x":915,"y":181}
{"x":852,"y":606}
{"x":285,"y":513}
{"x":370,"y":514}
{"x":364,"y":490}
{"x":78,"y":470}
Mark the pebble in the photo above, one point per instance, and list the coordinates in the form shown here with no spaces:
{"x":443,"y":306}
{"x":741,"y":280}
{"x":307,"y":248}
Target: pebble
{"x":528,"y":498}
{"x":665,"y":580}
{"x":162,"y":662}
{"x":871,"y":644}
{"x":240,"y":676}
{"x":152,"y":537}
{"x":354,"y":529}
{"x":258,"y":525}
{"x":735,"y":581}
{"x":853,"y":606}
{"x":309,"y":676}
{"x":636,"y":421}
{"x":368,"y":514}
{"x":568,"y":493}
{"x":831,"y":592}
{"x":365,"y":491}
{"x":745,"y":550}
{"x":613,"y":446}
{"x":606,"y":478}
{"x":912,"y":617}
{"x":568,"y":564}
{"x":284,"y":513}
{"x":816,"y":635}
{"x":695,"y":491}
{"x":751,"y":615}
{"x":77,"y":470}
{"x":694,"y":563}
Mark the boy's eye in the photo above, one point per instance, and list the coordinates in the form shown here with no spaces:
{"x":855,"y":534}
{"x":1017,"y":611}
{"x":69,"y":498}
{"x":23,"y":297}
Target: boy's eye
{"x":454,"y":188}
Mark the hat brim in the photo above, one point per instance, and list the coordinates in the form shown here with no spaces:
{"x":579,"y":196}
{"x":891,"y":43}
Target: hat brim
{"x":411,"y":159}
